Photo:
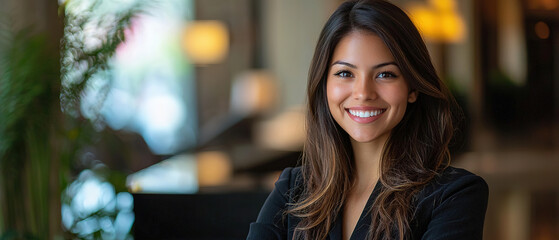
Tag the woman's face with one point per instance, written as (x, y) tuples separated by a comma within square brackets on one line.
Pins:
[(366, 92)]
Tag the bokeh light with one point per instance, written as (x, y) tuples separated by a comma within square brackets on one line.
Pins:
[(91, 207), (542, 30)]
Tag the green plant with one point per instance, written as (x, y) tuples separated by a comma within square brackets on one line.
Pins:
[(38, 141), (29, 83)]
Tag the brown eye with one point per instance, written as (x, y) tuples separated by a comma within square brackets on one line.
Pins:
[(343, 74), (386, 75)]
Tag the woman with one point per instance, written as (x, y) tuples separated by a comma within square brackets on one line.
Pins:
[(376, 158)]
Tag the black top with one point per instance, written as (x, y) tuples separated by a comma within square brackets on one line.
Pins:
[(451, 206)]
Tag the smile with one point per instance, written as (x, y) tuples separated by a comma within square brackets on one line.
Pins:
[(366, 114)]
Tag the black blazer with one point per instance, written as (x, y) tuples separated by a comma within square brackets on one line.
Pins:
[(451, 206)]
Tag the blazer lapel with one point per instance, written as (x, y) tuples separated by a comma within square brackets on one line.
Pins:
[(364, 223)]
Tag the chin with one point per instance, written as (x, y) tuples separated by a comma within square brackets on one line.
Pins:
[(362, 139)]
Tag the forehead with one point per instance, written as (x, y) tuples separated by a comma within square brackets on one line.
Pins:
[(362, 48)]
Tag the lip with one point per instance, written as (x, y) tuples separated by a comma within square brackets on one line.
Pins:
[(364, 120), (364, 108)]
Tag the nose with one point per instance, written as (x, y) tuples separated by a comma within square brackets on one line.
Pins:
[(364, 89)]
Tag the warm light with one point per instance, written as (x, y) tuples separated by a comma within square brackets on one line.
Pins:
[(214, 168), (206, 42), (542, 30), (543, 4), (452, 27), (425, 21), (253, 92), (439, 21), (285, 131), (443, 5), (550, 4)]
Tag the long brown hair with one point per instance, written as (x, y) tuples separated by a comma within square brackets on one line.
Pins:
[(417, 149)]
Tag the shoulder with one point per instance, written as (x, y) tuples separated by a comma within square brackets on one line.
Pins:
[(453, 180), (271, 223), (452, 204), (457, 178), (289, 183), (453, 190), (289, 176)]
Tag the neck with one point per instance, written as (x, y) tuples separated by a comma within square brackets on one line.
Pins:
[(367, 163)]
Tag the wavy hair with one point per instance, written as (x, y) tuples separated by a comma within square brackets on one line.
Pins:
[(417, 149)]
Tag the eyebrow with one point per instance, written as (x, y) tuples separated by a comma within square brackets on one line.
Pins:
[(374, 67)]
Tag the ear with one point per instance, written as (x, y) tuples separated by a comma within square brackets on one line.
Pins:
[(412, 96)]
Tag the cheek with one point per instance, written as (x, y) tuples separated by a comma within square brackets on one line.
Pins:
[(397, 95), (335, 93), (334, 96), (400, 99)]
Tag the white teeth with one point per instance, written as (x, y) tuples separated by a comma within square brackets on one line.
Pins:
[(365, 114)]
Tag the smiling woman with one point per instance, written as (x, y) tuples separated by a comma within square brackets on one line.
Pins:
[(376, 158), (367, 94)]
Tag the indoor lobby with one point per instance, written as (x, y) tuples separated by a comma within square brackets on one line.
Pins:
[(172, 119)]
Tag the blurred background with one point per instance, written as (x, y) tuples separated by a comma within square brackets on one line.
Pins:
[(130, 119)]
